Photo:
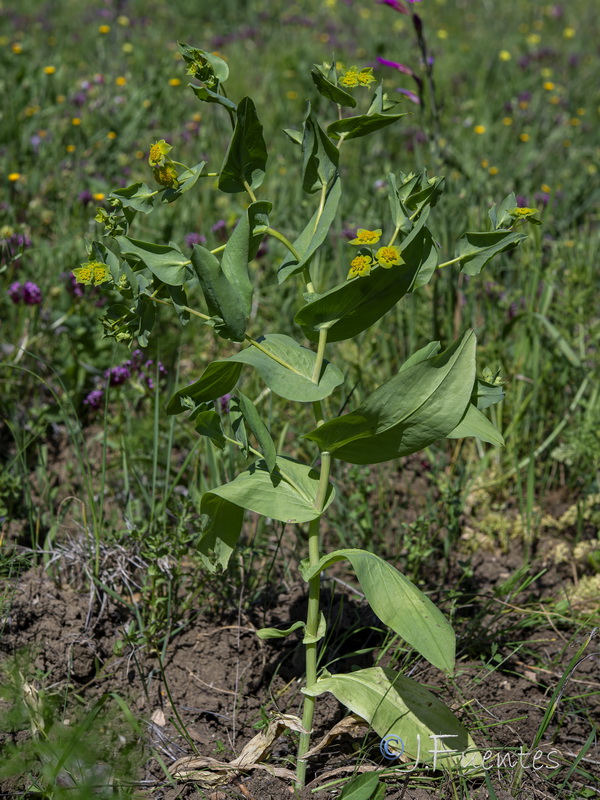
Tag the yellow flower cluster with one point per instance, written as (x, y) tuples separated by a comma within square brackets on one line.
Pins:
[(354, 77), (361, 265)]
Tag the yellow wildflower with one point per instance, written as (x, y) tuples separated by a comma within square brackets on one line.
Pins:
[(365, 77), (479, 129), (166, 175), (389, 257), (49, 70), (13, 177), (364, 236), (92, 272), (104, 29), (359, 267), (350, 78), (157, 153)]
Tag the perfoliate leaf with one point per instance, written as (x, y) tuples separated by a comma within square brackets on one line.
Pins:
[(167, 262), (377, 117), (218, 379), (206, 67), (288, 494), (398, 604), (353, 306), (208, 96), (138, 196), (420, 404), (476, 249), (246, 158), (395, 705)]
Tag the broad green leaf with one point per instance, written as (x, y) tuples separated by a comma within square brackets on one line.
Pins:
[(499, 215), (353, 306), (222, 527), (206, 67), (246, 157), (320, 156), (361, 787), (259, 429), (476, 249), (167, 262), (395, 705), (295, 384), (426, 193), (314, 234), (398, 604), (287, 495), (187, 179), (221, 297), (474, 423), (410, 411), (138, 196), (208, 96), (241, 249), (328, 87), (219, 378), (208, 423), (377, 117)]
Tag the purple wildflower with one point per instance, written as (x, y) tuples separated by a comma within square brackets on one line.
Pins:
[(410, 95), (117, 375), (85, 197), (14, 292), (224, 403), (94, 399), (396, 65), (195, 238), (395, 4), (32, 294)]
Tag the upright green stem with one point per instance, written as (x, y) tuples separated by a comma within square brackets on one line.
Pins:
[(312, 620), (284, 240), (312, 617), (320, 355)]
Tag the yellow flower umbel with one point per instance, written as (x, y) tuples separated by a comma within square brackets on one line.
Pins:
[(366, 77), (354, 77), (350, 78), (166, 175), (389, 257), (92, 273), (359, 267), (525, 214), (365, 237), (157, 153)]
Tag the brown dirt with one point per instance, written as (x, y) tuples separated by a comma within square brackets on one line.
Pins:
[(219, 675)]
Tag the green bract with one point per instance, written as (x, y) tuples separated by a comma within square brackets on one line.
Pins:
[(435, 394)]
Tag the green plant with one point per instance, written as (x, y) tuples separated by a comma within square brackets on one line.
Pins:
[(435, 394)]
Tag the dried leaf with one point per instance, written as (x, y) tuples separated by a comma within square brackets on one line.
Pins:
[(352, 724), (158, 717)]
